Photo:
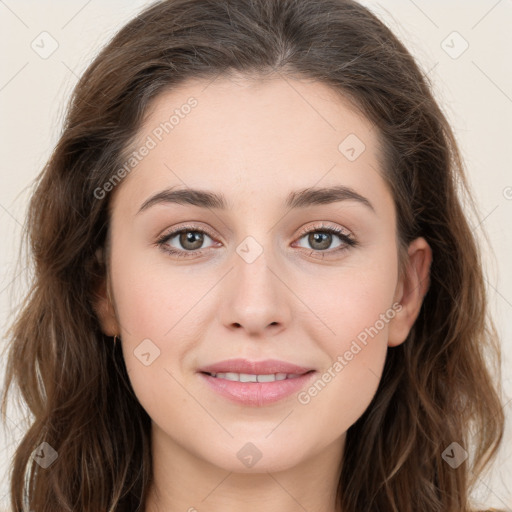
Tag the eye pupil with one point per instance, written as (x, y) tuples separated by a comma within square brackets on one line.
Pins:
[(325, 240), (193, 237)]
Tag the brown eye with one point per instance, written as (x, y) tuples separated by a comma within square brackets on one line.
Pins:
[(322, 238), (191, 240), (184, 242), (320, 241)]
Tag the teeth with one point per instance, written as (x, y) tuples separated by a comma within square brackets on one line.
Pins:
[(248, 377)]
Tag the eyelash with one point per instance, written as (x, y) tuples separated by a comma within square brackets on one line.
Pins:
[(346, 239)]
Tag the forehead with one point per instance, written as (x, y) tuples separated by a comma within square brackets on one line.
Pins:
[(253, 136)]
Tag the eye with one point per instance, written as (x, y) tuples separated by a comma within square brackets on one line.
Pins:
[(321, 238), (185, 241)]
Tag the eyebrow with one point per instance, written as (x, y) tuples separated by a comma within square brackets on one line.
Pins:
[(297, 199)]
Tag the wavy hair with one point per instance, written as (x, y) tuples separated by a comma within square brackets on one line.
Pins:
[(437, 387)]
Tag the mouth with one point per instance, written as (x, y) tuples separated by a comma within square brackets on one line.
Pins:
[(252, 377), (256, 390), (246, 369)]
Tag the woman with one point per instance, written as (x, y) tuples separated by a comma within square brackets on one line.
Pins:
[(254, 284)]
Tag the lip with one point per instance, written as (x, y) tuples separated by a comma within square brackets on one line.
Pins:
[(256, 394), (265, 367)]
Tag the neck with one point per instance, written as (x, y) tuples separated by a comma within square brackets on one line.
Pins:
[(184, 482)]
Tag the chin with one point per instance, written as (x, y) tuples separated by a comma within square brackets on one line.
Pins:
[(257, 457)]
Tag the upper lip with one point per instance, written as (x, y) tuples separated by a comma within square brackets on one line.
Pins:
[(266, 367)]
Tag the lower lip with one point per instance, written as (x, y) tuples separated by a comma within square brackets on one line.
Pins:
[(257, 394)]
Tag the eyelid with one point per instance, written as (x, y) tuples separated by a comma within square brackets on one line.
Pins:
[(187, 227), (327, 227)]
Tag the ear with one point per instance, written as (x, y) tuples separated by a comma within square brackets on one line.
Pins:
[(103, 304), (410, 290)]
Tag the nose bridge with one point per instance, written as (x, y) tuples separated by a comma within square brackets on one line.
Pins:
[(255, 297), (253, 275)]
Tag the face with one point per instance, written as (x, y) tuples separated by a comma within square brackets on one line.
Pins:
[(277, 272)]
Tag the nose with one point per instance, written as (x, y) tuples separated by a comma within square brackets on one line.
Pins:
[(256, 297)]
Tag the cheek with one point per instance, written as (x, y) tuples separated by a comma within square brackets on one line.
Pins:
[(150, 295), (354, 303), (356, 307), (160, 310)]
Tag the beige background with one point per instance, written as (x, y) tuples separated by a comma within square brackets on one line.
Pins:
[(473, 86)]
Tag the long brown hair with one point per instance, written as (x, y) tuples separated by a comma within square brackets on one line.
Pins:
[(436, 388)]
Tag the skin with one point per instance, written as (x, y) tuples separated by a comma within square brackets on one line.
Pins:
[(255, 141)]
